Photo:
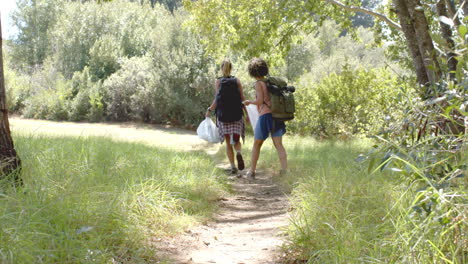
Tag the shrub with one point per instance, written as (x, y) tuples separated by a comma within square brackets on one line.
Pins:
[(350, 103), (79, 105), (428, 150), (104, 57), (17, 88), (50, 94), (128, 93)]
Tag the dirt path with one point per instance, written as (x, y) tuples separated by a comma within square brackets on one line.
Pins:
[(247, 228)]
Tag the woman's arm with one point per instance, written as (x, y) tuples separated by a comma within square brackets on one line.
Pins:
[(212, 107), (259, 94), (241, 90)]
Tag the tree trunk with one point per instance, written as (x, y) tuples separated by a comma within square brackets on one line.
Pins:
[(447, 35), (416, 30), (9, 161), (411, 40), (426, 46)]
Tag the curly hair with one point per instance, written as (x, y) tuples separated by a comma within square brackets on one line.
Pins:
[(258, 67)]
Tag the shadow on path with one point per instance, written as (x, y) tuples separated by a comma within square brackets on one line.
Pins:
[(247, 228)]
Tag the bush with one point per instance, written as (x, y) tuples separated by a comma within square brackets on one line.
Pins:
[(79, 105), (346, 104), (428, 151), (129, 94), (17, 88), (104, 57), (50, 94)]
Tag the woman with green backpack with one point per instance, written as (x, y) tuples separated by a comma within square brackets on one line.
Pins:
[(266, 125)]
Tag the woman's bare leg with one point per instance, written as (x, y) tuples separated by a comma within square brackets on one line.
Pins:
[(229, 151), (255, 154), (283, 156)]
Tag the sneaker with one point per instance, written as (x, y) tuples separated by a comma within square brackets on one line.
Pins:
[(240, 161), (233, 170), (283, 172), (250, 175)]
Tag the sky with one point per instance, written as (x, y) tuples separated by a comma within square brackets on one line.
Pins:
[(6, 8)]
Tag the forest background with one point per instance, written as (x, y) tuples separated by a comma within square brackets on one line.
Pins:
[(130, 61)]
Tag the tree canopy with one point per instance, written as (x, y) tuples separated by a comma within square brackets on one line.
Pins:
[(264, 26), (269, 27)]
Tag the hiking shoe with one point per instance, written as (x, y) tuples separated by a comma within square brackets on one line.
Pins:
[(233, 170), (283, 172), (250, 175), (240, 161)]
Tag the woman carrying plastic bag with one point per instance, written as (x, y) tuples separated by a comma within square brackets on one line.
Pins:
[(229, 114)]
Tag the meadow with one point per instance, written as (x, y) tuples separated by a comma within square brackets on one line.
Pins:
[(95, 200)]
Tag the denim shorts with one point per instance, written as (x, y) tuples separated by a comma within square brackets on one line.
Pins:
[(266, 125)]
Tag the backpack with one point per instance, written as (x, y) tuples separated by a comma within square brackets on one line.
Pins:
[(283, 104), (228, 100)]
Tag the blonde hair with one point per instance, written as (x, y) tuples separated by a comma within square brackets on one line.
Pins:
[(226, 67)]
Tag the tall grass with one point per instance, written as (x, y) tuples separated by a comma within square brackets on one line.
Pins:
[(344, 213), (338, 208), (93, 200)]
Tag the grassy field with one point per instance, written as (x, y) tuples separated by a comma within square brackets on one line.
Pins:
[(343, 213), (102, 200), (95, 200)]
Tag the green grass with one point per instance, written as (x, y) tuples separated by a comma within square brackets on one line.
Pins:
[(338, 208), (341, 213), (93, 200)]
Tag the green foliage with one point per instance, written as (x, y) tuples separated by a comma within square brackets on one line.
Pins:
[(352, 102), (117, 29), (87, 102), (128, 62), (326, 52), (129, 92), (95, 200), (171, 5), (338, 209), (104, 56), (49, 95), (34, 20), (429, 151), (17, 89), (261, 28)]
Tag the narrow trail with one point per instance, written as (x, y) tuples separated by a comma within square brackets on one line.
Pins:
[(248, 226), (247, 229)]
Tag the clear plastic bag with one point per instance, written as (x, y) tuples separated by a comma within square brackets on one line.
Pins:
[(208, 131), (252, 111)]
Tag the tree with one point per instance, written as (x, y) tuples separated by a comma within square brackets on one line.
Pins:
[(33, 19), (271, 26), (9, 161)]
